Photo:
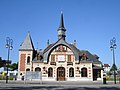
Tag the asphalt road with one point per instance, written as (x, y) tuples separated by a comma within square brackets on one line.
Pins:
[(58, 85)]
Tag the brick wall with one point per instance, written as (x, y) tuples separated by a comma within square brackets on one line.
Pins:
[(22, 62)]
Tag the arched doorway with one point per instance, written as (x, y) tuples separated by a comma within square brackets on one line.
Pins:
[(60, 73), (37, 69)]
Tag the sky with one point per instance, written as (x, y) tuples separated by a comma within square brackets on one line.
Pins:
[(92, 23)]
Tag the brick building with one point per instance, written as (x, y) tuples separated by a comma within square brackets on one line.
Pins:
[(59, 61)]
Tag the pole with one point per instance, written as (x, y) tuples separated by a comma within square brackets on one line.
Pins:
[(113, 47), (7, 64), (9, 46), (114, 66)]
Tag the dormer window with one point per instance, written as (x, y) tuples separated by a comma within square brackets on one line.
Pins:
[(84, 56), (39, 57)]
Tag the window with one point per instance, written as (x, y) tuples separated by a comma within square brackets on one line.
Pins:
[(52, 58), (27, 69), (69, 58), (99, 74), (84, 72), (21, 74), (28, 60), (39, 57), (84, 56), (50, 72), (37, 69), (71, 72)]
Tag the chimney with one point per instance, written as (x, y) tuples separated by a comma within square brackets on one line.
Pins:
[(48, 43), (75, 43)]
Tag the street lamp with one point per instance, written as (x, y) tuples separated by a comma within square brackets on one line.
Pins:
[(9, 43), (112, 47)]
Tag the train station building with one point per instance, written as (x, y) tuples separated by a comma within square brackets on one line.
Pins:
[(59, 61)]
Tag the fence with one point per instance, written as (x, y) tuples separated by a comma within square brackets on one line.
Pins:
[(31, 75)]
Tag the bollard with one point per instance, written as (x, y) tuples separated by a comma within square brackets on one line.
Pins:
[(22, 78), (119, 80), (104, 80)]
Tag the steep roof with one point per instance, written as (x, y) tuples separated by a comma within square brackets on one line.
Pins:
[(61, 27), (90, 57), (27, 44), (48, 50)]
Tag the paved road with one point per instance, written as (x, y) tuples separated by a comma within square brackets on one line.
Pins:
[(58, 85)]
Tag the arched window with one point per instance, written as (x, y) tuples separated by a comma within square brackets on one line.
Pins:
[(84, 72), (28, 60), (50, 72), (27, 69), (37, 69), (71, 72)]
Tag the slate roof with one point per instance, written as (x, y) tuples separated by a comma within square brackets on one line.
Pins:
[(61, 27), (35, 58), (27, 44), (90, 57), (48, 47)]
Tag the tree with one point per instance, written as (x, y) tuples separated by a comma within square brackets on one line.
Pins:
[(113, 67), (4, 63), (1, 62), (13, 66)]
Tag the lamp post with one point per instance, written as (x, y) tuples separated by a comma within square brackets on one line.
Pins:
[(9, 43), (112, 47)]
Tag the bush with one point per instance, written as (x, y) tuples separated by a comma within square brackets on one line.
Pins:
[(4, 77)]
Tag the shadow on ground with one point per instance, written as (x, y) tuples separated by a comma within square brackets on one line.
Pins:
[(58, 88)]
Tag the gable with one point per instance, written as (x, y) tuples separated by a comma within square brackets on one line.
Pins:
[(58, 43)]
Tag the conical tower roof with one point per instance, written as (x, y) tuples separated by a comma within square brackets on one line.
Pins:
[(61, 27), (27, 43)]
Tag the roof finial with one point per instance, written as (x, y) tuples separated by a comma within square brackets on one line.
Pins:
[(61, 12), (28, 31), (48, 42)]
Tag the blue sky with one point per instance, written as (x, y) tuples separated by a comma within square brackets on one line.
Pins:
[(92, 23)]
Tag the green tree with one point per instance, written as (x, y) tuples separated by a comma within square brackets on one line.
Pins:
[(1, 64), (113, 67), (13, 66)]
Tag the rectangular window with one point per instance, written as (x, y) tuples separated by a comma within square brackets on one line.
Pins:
[(69, 58), (52, 58)]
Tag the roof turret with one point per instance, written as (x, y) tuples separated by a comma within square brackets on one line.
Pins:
[(27, 44), (61, 29)]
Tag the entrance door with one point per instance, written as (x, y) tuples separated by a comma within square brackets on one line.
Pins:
[(94, 74), (60, 73)]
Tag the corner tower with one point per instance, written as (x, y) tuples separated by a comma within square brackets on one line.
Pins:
[(25, 55), (61, 29)]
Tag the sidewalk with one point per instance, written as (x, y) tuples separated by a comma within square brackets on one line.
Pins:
[(59, 82), (61, 85)]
